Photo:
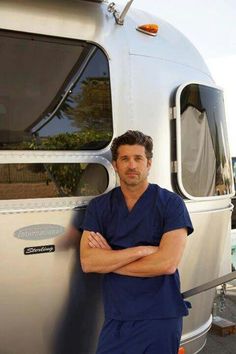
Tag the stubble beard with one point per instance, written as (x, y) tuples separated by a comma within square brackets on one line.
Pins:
[(136, 181)]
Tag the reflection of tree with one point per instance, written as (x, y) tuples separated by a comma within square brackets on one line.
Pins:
[(90, 108), (66, 177), (89, 140), (90, 111)]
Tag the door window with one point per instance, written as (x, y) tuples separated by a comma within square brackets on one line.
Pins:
[(204, 165)]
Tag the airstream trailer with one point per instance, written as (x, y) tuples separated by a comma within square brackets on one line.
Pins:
[(73, 76)]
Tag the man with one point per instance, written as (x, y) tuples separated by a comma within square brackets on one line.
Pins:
[(136, 235)]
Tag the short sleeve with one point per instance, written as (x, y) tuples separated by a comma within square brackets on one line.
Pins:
[(176, 215), (91, 220), (78, 218)]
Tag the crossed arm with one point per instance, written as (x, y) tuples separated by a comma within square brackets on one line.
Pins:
[(141, 261)]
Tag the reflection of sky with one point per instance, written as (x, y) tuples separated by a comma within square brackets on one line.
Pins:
[(97, 67), (57, 126)]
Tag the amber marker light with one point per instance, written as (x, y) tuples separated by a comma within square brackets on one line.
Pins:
[(181, 350), (150, 29)]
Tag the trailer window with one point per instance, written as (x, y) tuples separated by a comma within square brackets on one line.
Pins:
[(54, 94), (203, 151), (233, 224), (234, 171), (27, 181)]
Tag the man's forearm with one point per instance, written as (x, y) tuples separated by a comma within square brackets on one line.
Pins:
[(150, 266), (141, 261), (99, 260), (163, 262)]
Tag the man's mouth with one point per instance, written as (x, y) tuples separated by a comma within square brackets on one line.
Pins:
[(132, 173)]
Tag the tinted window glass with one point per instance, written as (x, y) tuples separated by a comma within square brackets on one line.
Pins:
[(22, 181), (54, 95), (233, 257), (205, 159)]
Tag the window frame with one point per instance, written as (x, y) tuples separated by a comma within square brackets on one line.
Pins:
[(54, 203), (178, 147), (100, 156)]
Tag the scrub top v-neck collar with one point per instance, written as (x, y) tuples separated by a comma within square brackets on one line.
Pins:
[(138, 206)]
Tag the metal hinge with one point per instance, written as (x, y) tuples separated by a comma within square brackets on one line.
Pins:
[(174, 166), (173, 113)]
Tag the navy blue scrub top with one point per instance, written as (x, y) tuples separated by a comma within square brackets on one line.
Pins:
[(156, 212)]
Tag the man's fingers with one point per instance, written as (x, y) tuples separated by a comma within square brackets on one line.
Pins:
[(96, 240), (91, 244), (104, 241)]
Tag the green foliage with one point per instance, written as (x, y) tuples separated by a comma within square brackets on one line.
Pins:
[(91, 107), (66, 177), (70, 141)]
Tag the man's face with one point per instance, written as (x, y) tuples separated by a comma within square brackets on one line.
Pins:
[(132, 164)]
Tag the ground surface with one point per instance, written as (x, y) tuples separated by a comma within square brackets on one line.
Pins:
[(215, 343)]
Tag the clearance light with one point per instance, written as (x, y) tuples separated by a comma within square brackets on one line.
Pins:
[(150, 29), (181, 350)]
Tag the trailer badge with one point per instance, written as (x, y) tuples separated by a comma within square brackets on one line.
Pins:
[(39, 232), (39, 249)]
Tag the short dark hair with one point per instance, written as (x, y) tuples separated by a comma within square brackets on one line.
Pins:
[(132, 137)]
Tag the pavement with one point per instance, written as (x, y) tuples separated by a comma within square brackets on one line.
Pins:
[(217, 344)]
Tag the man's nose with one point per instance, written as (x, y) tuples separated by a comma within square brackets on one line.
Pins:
[(132, 164)]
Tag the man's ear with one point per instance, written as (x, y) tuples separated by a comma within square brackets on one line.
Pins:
[(149, 163)]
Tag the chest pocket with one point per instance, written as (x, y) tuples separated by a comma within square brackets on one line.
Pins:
[(148, 231)]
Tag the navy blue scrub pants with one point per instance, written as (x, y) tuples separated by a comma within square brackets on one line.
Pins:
[(160, 336)]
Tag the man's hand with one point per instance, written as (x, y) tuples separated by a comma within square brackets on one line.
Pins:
[(96, 240)]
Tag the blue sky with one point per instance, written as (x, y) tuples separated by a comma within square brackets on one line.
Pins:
[(211, 27)]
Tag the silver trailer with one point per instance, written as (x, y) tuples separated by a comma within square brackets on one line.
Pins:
[(73, 76)]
